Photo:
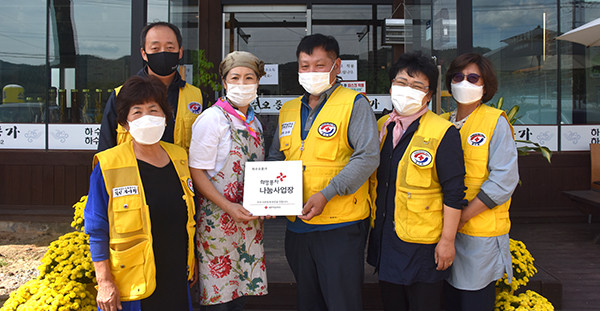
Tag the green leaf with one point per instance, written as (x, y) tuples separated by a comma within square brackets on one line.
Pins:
[(546, 153), (500, 103), (512, 113)]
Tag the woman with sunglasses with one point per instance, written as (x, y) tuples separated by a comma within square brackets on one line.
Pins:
[(482, 243)]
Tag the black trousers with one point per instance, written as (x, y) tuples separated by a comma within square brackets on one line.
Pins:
[(328, 267), (413, 297), (470, 300)]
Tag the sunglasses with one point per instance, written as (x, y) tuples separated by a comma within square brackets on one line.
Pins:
[(472, 77)]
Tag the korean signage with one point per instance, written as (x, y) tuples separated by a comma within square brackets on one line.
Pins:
[(22, 136), (359, 86), (272, 75), (273, 188), (545, 135), (349, 70), (270, 105), (73, 136), (579, 137)]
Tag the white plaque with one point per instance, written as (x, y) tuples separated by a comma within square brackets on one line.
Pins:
[(22, 136), (273, 188), (73, 136)]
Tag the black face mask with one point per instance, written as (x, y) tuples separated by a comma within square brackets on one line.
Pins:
[(163, 63)]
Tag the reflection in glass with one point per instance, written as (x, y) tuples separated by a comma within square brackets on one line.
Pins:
[(272, 37), (22, 61), (518, 39), (580, 67), (84, 55)]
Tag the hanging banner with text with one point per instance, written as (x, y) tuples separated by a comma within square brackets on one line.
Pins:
[(273, 188)]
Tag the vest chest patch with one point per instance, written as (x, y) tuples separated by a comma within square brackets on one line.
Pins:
[(477, 139), (190, 185), (195, 107), (286, 129), (125, 190), (327, 129), (421, 157)]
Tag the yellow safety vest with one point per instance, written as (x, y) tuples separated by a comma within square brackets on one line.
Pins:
[(475, 135), (188, 108), (324, 153), (131, 254), (419, 206)]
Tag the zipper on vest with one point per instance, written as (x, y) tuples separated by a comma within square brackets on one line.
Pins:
[(302, 146)]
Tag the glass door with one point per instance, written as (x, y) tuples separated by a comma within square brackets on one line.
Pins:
[(272, 33)]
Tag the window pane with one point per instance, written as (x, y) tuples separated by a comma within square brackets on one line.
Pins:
[(273, 38), (89, 55), (518, 39), (22, 61), (580, 67)]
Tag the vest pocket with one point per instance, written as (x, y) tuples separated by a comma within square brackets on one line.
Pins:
[(127, 268), (476, 162), (284, 143), (418, 176), (326, 147), (127, 214), (424, 218)]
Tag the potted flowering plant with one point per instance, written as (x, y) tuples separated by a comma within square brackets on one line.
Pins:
[(67, 276), (523, 270)]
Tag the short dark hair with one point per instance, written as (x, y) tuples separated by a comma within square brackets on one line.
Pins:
[(165, 24), (328, 43), (416, 62), (139, 90), (490, 82)]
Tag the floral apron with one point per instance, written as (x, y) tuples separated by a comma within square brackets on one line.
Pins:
[(231, 255)]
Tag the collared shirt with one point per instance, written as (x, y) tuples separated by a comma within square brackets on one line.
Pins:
[(362, 137)]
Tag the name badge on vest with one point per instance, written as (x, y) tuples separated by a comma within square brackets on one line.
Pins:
[(477, 139), (125, 190), (195, 107), (327, 129), (421, 157), (286, 129)]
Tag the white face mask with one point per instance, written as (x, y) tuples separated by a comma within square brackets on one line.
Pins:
[(241, 95), (315, 83), (148, 129), (466, 93), (406, 100)]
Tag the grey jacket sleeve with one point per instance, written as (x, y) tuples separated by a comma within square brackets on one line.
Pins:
[(274, 153), (502, 165), (364, 137)]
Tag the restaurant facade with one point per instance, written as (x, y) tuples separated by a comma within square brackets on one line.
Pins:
[(61, 59)]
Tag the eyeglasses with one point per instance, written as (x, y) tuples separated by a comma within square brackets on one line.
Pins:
[(472, 77), (419, 86)]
